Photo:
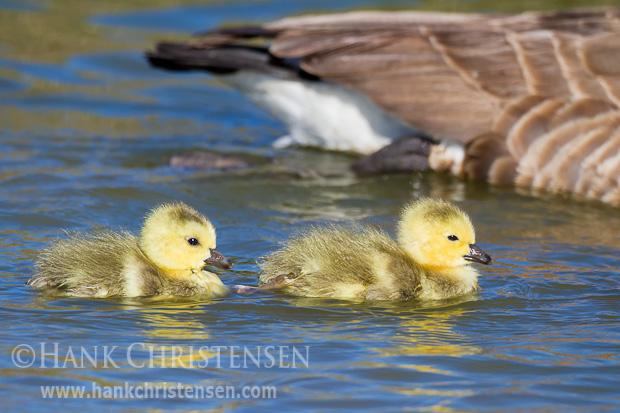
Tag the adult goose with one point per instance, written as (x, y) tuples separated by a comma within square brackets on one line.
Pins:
[(531, 99)]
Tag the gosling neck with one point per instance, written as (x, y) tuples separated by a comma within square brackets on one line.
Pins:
[(441, 282), (180, 273), (194, 282), (173, 273), (190, 274)]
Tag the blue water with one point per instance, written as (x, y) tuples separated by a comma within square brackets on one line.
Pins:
[(86, 130)]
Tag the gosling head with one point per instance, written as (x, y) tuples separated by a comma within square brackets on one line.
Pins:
[(436, 233), (176, 237)]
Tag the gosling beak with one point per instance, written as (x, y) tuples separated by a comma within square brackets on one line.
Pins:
[(477, 255), (218, 260)]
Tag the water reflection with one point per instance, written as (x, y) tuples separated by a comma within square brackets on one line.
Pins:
[(431, 334)]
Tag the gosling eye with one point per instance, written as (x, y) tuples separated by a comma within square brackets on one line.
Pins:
[(453, 238), (193, 242)]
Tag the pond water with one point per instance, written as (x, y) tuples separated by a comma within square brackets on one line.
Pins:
[(86, 131)]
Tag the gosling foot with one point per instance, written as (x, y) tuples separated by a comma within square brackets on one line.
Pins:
[(245, 290)]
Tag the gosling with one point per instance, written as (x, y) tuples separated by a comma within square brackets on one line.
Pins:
[(436, 243), (175, 244)]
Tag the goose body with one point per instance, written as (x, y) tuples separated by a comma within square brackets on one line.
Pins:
[(320, 114), (429, 261), (167, 259), (494, 94)]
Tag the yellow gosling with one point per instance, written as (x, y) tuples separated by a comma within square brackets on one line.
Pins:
[(167, 259), (436, 243)]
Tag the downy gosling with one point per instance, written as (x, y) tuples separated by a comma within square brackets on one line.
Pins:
[(436, 243), (167, 259)]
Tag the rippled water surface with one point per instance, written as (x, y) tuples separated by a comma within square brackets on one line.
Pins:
[(86, 131)]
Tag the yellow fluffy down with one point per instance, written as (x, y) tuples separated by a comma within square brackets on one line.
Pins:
[(430, 259), (160, 262)]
